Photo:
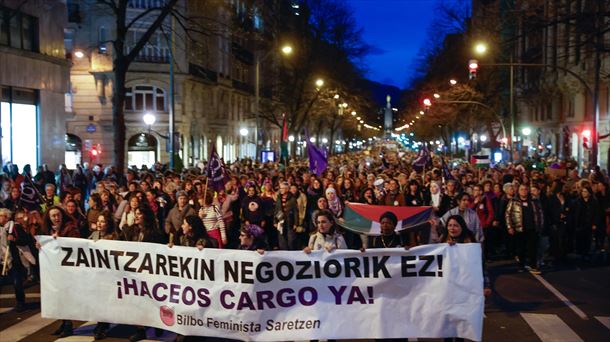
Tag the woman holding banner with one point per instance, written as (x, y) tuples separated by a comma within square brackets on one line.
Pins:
[(326, 236), (58, 224), (457, 232), (388, 238)]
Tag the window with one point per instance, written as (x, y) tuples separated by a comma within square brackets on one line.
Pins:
[(18, 118), (102, 40), (18, 30), (145, 99)]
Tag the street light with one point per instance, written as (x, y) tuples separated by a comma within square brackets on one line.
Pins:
[(526, 131), (149, 119), (452, 82), (437, 96), (480, 48), (354, 113), (483, 138), (336, 97), (243, 132), (319, 83), (291, 138), (312, 140), (286, 50), (324, 141), (79, 54)]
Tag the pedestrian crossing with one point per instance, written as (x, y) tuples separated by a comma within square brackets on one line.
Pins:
[(547, 327)]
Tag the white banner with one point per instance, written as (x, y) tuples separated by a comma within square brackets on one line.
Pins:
[(431, 291)]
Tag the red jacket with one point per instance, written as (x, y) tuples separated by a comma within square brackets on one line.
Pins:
[(485, 211)]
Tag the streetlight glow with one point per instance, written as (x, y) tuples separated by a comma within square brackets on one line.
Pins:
[(344, 105), (243, 132), (427, 102), (79, 54), (319, 83), (336, 96), (526, 131), (480, 48), (483, 138), (287, 49), (324, 141), (291, 138), (354, 113), (452, 82), (149, 119), (437, 96), (312, 140), (421, 112)]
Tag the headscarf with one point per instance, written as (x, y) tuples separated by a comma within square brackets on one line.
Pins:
[(334, 205)]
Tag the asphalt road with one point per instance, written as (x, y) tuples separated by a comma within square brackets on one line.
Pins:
[(568, 302)]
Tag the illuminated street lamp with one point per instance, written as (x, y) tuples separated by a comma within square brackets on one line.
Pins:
[(312, 140), (437, 96), (243, 132), (79, 54), (319, 83), (291, 138), (287, 49), (452, 82), (149, 119), (480, 48), (324, 141), (526, 131), (354, 113)]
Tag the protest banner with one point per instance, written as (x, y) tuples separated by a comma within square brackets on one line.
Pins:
[(430, 291)]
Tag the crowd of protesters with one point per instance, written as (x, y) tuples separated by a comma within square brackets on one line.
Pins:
[(515, 213)]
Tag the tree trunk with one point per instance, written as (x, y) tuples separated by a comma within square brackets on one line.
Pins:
[(118, 114)]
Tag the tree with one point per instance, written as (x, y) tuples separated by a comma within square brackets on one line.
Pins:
[(123, 56), (328, 46)]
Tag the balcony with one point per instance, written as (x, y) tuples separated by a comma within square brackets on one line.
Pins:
[(201, 72), (153, 54)]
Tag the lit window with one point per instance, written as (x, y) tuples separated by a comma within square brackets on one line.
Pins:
[(145, 99)]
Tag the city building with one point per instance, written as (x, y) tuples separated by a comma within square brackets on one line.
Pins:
[(213, 78), (34, 78)]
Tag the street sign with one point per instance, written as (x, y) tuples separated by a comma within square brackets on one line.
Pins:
[(91, 128)]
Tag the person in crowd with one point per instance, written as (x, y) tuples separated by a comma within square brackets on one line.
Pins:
[(483, 206), (469, 215), (434, 198), (524, 221), (14, 239), (587, 217), (58, 224), (176, 215), (286, 216), (335, 205), (95, 208), (388, 238), (413, 196), (212, 220), (50, 198), (252, 238), (368, 196), (301, 200), (128, 217), (559, 215), (326, 236), (450, 197), (393, 196)]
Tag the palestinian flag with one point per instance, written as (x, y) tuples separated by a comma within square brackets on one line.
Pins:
[(364, 218), (480, 161)]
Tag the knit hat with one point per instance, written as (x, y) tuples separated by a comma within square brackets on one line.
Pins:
[(181, 193)]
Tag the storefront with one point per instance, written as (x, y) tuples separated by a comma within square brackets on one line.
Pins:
[(142, 150), (19, 124)]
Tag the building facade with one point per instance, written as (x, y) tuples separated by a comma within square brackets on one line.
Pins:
[(34, 78), (213, 63)]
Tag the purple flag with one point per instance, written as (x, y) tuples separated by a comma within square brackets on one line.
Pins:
[(423, 159), (446, 174), (318, 161), (217, 177)]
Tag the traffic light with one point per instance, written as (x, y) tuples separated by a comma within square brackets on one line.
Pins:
[(473, 65), (427, 103), (586, 134), (95, 151)]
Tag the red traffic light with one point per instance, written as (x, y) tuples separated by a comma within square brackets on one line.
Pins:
[(586, 133), (473, 65), (94, 152)]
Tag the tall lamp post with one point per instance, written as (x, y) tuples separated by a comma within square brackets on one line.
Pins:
[(286, 50)]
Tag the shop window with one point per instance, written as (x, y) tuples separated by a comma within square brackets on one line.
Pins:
[(18, 119)]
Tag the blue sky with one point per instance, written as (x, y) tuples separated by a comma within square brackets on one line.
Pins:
[(397, 28)]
